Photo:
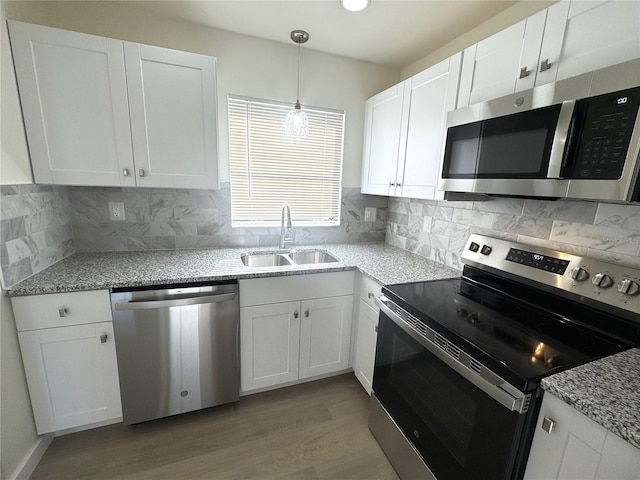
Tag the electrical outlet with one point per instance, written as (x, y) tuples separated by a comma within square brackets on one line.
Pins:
[(116, 211), (370, 214)]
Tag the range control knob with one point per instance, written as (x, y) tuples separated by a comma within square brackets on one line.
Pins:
[(486, 250), (602, 280), (474, 247), (579, 274), (629, 287)]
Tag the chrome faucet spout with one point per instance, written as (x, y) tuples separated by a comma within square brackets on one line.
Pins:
[(286, 230)]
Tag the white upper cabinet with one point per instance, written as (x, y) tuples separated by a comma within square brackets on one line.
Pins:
[(567, 39), (405, 130), (382, 130), (73, 92), (503, 63), (429, 96), (104, 112), (582, 36), (174, 133)]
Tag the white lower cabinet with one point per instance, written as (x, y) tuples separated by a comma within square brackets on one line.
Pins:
[(69, 359), (304, 333), (270, 342), (578, 448), (366, 332)]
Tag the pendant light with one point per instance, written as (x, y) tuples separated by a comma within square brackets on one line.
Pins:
[(297, 123)]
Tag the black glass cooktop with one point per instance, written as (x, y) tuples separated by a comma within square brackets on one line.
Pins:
[(520, 339)]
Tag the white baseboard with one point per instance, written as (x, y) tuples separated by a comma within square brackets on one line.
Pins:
[(32, 458)]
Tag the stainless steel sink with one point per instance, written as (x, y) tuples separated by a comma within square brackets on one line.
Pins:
[(303, 257), (311, 256), (265, 260)]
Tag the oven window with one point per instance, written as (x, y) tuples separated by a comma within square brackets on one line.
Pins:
[(459, 431)]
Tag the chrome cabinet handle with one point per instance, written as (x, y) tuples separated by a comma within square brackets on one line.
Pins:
[(63, 311), (524, 72), (545, 65), (103, 338), (125, 172), (306, 313), (141, 172), (548, 424), (295, 314)]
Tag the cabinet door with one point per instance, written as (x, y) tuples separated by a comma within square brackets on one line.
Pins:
[(494, 67), (172, 98), (365, 345), (431, 95), (72, 375), (594, 35), (325, 335), (74, 102), (269, 344), (382, 133), (578, 448)]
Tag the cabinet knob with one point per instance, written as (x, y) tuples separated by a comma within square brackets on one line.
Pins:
[(296, 314), (141, 172), (391, 184), (306, 313), (524, 72), (63, 311), (398, 184), (125, 172), (545, 65), (103, 338), (548, 424), (369, 294)]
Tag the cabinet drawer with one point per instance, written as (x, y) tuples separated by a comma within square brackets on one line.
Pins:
[(61, 309), (369, 290), (262, 291)]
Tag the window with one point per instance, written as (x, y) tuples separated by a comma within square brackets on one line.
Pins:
[(268, 169)]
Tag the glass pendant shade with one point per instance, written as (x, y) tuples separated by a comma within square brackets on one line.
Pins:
[(296, 124)]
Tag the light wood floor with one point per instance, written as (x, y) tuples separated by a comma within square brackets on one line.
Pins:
[(317, 430)]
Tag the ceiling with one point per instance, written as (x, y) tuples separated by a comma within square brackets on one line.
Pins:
[(390, 32)]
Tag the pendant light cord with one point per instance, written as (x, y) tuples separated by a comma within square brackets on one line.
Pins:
[(298, 90)]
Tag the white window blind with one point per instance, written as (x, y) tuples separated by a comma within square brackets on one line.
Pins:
[(268, 169)]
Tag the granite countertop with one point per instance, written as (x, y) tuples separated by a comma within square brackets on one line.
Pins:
[(94, 271), (614, 403)]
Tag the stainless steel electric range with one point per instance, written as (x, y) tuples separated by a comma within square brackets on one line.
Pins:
[(456, 389)]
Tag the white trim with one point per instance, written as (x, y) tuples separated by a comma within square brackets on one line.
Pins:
[(32, 458), (82, 428)]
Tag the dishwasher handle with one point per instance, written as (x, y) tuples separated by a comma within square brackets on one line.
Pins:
[(176, 302)]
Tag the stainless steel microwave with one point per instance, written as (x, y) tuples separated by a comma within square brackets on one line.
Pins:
[(526, 145)]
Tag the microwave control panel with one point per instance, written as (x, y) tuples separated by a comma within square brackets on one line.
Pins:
[(607, 126)]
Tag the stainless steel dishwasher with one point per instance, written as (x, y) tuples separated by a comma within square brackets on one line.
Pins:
[(177, 348)]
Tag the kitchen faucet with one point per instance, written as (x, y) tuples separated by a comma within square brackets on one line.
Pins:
[(286, 234)]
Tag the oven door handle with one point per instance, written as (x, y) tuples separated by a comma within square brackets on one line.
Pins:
[(487, 381)]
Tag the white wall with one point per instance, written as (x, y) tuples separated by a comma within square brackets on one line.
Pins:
[(14, 156), (18, 436), (246, 65), (504, 19)]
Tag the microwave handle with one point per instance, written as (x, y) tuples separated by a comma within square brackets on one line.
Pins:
[(560, 139), (572, 143)]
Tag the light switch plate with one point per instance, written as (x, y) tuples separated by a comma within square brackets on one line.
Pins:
[(116, 211), (370, 214)]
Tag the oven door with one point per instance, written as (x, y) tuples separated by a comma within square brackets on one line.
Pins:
[(459, 430)]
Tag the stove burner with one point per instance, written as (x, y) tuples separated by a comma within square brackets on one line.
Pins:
[(565, 333)]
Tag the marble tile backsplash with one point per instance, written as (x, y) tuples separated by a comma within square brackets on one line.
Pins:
[(35, 230), (165, 219), (439, 230)]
